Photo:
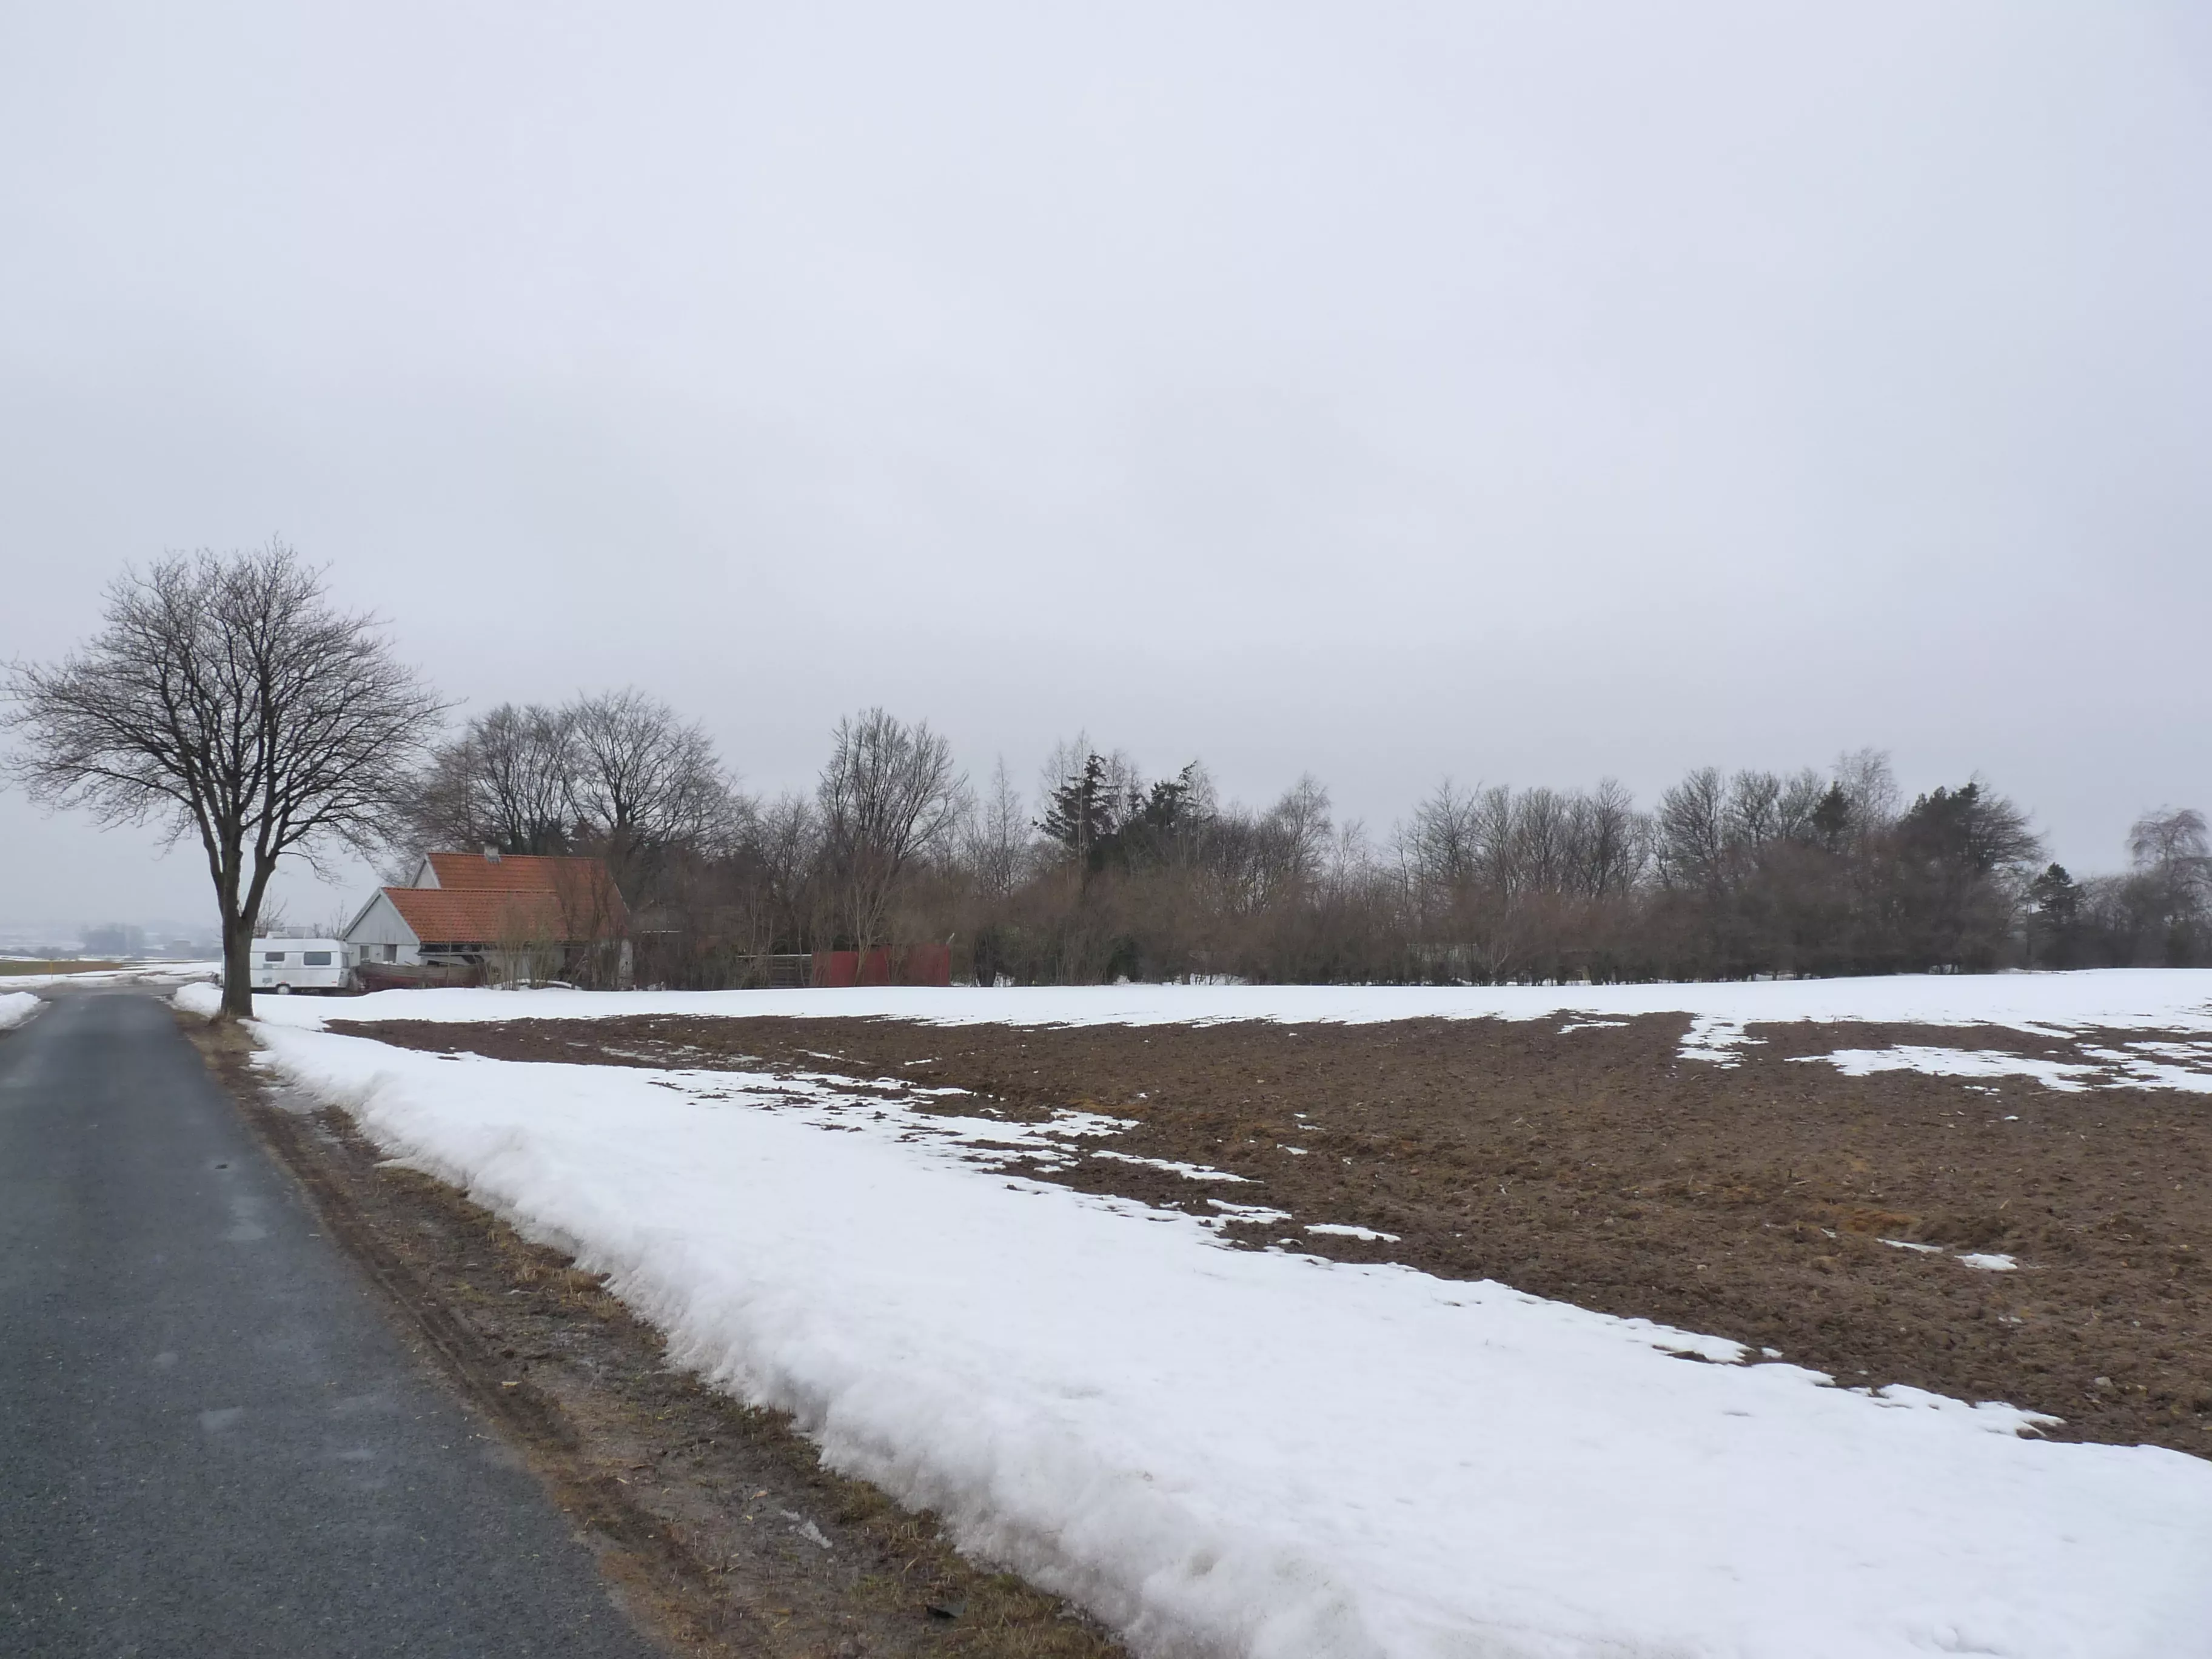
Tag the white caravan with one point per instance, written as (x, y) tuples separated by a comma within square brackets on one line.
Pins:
[(286, 965)]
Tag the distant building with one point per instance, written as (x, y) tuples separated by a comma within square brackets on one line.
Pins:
[(502, 917)]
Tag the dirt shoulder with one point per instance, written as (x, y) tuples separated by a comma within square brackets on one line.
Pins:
[(717, 1525), (1599, 1166)]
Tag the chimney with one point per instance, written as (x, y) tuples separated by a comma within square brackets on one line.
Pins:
[(491, 855)]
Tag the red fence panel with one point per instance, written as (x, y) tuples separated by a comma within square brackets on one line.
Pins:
[(896, 965)]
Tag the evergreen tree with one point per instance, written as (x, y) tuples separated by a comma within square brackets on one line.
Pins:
[(1831, 818), (1079, 814), (1163, 816), (1957, 850), (2054, 922)]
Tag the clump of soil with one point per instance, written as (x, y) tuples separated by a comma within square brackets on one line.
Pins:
[(1602, 1167)]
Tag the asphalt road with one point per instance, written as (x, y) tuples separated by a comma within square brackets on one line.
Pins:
[(212, 1440)]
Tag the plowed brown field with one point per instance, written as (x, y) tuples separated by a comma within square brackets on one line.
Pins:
[(1600, 1166)]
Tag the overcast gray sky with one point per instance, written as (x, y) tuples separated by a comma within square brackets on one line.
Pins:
[(1525, 392)]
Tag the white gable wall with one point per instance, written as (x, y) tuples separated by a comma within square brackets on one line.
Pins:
[(380, 933)]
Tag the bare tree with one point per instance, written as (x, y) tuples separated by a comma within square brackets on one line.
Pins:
[(889, 793), (507, 781), (997, 839), (1753, 816), (1262, 860), (442, 807), (619, 773), (1693, 829), (2172, 852), (1869, 791), (227, 699), (2172, 839), (1615, 840), (1543, 849), (526, 763), (646, 782), (1796, 813), (1301, 830), (1437, 849), (1489, 819), (778, 849)]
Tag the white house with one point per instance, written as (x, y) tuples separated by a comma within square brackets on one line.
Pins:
[(524, 915)]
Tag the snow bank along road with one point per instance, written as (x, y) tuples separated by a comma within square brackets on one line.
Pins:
[(1261, 1452)]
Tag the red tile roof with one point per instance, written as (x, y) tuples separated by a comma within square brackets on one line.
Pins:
[(512, 899), (520, 873), (479, 918)]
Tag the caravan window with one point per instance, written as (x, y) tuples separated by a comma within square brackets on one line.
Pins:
[(317, 959), (272, 956)]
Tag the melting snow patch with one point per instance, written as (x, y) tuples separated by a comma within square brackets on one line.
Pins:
[(1187, 1171), (1344, 1229), (1988, 1261), (1957, 1062), (1069, 1122), (1715, 1038), (16, 1008), (2153, 1064), (1255, 1214)]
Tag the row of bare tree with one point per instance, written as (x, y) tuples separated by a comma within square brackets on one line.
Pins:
[(1105, 874), (617, 775), (229, 700), (2158, 912)]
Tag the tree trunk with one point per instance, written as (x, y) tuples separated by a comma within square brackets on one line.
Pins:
[(237, 968)]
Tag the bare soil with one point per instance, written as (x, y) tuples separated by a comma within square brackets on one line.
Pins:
[(715, 1525), (1601, 1167)]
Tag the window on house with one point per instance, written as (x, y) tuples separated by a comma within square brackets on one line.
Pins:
[(391, 953)]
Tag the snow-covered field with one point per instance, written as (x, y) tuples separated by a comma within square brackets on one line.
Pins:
[(2149, 1001), (144, 973), (1260, 1452), (16, 1008), (2119, 999)]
